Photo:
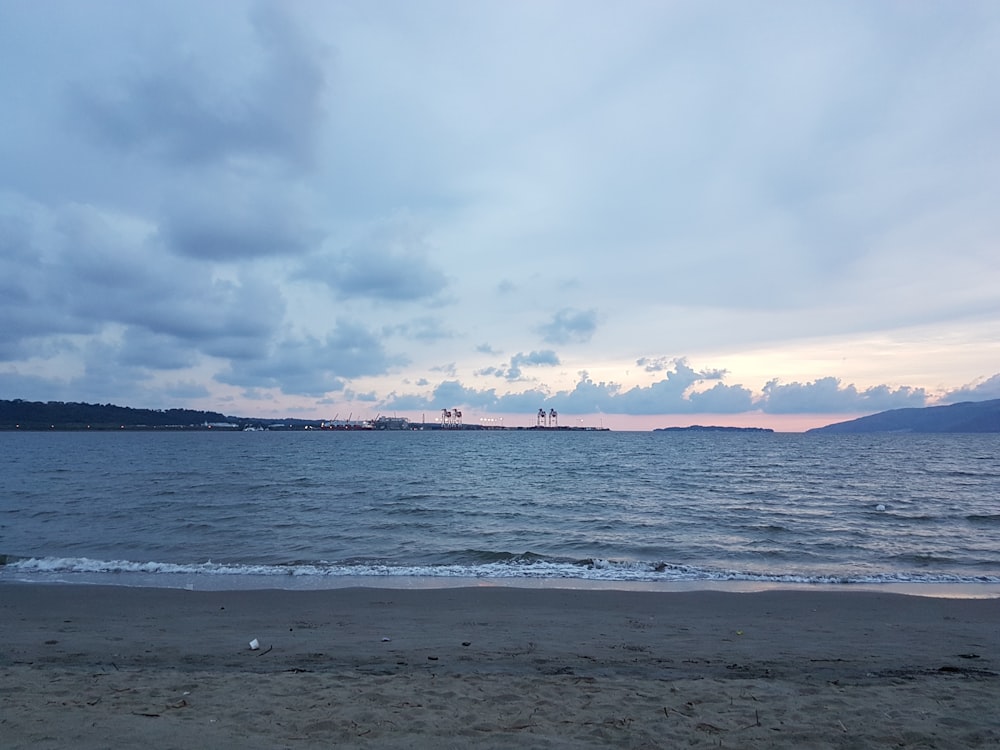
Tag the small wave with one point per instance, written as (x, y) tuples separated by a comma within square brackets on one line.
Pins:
[(922, 518), (525, 566), (923, 559), (478, 556), (983, 518)]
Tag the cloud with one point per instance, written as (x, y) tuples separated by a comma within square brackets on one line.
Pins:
[(95, 372), (197, 189), (544, 358), (681, 392), (515, 369), (587, 397), (183, 110), (678, 393), (570, 325), (313, 367), (389, 264), (33, 279), (229, 223), (828, 396), (654, 364), (723, 399), (153, 351), (983, 389), (445, 395), (424, 328), (80, 269), (674, 394)]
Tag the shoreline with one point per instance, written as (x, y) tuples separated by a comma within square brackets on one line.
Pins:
[(495, 666), (245, 582)]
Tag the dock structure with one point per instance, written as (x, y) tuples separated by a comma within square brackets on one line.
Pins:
[(450, 420), (549, 420), (451, 417), (546, 420)]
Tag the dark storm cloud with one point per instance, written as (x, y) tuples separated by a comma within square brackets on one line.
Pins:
[(77, 270), (141, 348), (207, 314), (33, 328), (110, 279), (33, 285), (232, 225), (569, 325), (311, 366), (446, 395), (389, 264), (104, 374), (827, 395), (101, 376), (183, 111), (110, 377), (35, 388), (183, 392), (351, 351)]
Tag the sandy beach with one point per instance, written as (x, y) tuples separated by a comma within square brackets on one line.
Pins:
[(94, 667)]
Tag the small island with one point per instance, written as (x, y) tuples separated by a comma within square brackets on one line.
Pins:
[(712, 428)]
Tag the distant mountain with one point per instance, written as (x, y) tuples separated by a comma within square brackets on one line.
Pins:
[(968, 416)]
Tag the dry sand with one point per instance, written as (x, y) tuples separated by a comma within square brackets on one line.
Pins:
[(95, 667)]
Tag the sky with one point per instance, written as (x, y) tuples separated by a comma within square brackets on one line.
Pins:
[(639, 214)]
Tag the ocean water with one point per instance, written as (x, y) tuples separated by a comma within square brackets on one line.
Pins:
[(327, 509)]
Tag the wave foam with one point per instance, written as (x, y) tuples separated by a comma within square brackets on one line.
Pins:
[(532, 567)]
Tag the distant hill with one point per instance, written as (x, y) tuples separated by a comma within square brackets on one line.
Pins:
[(968, 416), (44, 415), (67, 415), (712, 428)]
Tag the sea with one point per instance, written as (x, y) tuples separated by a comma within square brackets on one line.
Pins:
[(212, 509)]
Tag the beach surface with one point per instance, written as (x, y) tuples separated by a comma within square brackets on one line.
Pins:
[(96, 667)]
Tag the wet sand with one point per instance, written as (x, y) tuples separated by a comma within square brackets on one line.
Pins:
[(94, 667)]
